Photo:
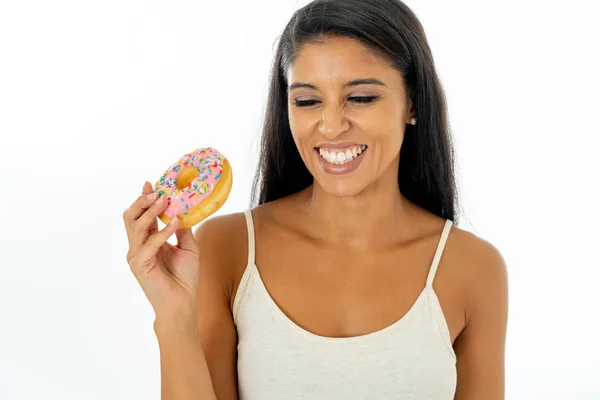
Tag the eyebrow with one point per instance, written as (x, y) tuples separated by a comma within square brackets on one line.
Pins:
[(356, 82)]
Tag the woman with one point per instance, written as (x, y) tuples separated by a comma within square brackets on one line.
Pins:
[(349, 279)]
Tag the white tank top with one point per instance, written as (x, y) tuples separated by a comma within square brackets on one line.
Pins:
[(412, 359)]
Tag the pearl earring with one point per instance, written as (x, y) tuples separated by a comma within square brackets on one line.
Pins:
[(413, 121)]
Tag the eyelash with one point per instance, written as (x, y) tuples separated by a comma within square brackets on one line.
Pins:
[(363, 100)]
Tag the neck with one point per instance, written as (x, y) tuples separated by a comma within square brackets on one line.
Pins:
[(367, 220)]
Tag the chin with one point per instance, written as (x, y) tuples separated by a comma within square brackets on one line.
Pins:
[(342, 187)]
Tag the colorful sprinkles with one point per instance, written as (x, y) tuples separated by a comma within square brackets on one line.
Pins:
[(209, 163)]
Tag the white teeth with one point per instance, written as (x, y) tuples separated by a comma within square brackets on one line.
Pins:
[(341, 157), (331, 158)]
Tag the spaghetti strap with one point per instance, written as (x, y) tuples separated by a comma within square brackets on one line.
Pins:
[(240, 293), (250, 226), (438, 253)]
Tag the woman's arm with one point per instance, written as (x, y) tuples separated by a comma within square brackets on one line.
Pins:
[(222, 247), (198, 351), (481, 345), (184, 372)]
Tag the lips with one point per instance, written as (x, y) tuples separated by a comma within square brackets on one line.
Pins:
[(341, 160), (341, 155)]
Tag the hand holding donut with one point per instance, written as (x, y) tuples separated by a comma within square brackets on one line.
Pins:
[(168, 274)]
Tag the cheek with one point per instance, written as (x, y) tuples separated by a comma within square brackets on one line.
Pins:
[(386, 138), (300, 126), (392, 141), (300, 134), (384, 130), (391, 126)]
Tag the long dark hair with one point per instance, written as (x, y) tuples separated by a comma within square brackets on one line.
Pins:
[(390, 29)]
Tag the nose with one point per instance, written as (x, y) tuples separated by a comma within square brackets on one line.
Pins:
[(333, 123)]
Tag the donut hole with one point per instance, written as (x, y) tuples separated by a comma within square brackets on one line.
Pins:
[(186, 176)]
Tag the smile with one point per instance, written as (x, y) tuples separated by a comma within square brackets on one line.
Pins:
[(341, 156)]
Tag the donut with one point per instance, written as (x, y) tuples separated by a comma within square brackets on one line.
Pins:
[(195, 186)]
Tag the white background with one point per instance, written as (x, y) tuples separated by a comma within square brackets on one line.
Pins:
[(97, 97)]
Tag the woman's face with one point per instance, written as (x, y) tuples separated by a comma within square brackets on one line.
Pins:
[(348, 132)]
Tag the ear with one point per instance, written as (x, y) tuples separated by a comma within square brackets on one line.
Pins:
[(412, 112)]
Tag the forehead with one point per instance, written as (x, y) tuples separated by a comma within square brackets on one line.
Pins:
[(337, 60)]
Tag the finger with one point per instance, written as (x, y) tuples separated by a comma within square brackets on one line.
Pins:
[(139, 206), (147, 190), (148, 197), (130, 222), (185, 239), (147, 225), (154, 242)]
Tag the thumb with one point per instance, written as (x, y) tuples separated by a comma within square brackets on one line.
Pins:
[(185, 239)]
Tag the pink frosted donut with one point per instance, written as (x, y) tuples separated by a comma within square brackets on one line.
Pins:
[(195, 186)]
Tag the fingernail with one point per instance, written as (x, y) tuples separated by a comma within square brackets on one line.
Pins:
[(151, 196), (173, 221)]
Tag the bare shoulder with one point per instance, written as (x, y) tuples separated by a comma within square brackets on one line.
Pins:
[(480, 346), (223, 247), (482, 271), (223, 243), (481, 266)]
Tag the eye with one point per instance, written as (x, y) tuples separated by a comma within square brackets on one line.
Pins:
[(356, 99), (305, 103), (364, 99)]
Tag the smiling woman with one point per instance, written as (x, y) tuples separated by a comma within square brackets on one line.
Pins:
[(336, 122), (396, 67), (349, 278)]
